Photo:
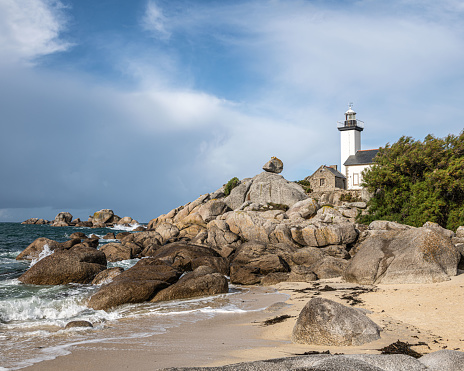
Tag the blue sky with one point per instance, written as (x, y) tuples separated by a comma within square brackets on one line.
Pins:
[(142, 106)]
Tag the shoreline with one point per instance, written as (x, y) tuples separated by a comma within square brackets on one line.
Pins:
[(142, 345), (405, 312)]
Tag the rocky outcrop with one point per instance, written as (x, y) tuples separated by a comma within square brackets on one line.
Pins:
[(264, 211), (36, 221), (202, 281), (417, 255), (76, 265), (267, 230), (103, 216), (325, 322), (63, 219), (100, 219)]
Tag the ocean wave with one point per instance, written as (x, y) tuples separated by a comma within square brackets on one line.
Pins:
[(44, 253), (123, 227)]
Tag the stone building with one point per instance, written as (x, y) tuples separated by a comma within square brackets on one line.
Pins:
[(326, 178)]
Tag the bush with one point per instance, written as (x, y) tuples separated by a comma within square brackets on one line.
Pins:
[(231, 184), (414, 182), (305, 184)]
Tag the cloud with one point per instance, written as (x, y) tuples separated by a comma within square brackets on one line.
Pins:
[(30, 29), (217, 89), (154, 21)]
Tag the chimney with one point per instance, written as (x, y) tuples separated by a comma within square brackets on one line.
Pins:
[(333, 167)]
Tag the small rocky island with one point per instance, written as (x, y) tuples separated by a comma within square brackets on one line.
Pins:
[(100, 219), (257, 231)]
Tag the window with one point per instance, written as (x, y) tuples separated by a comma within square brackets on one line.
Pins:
[(355, 179), (322, 182)]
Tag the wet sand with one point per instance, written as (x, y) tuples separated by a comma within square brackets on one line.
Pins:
[(137, 344), (426, 314)]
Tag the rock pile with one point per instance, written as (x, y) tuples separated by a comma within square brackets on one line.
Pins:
[(267, 230)]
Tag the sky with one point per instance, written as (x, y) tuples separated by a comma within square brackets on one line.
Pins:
[(142, 106)]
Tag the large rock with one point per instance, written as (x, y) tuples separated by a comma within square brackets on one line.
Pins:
[(167, 231), (77, 265), (444, 360), (116, 252), (274, 188), (245, 275), (187, 257), (62, 219), (125, 291), (267, 258), (417, 255), (329, 267), (303, 209), (325, 322), (274, 165), (320, 235), (201, 282), (137, 284), (151, 269), (35, 248), (103, 216), (238, 194), (212, 209), (221, 238), (307, 256), (254, 226), (337, 362)]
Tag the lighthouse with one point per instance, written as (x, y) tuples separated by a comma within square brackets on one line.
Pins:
[(350, 136)]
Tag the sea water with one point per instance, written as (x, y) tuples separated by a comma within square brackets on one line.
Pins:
[(33, 317)]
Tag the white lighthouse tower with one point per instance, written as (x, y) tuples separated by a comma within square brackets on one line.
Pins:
[(350, 135)]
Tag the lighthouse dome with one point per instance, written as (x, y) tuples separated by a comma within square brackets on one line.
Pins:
[(350, 111)]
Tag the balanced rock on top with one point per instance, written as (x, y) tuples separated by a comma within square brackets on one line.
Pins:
[(274, 165)]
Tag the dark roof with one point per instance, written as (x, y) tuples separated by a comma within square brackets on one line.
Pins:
[(362, 157), (335, 172)]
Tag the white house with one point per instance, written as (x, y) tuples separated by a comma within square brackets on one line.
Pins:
[(353, 159)]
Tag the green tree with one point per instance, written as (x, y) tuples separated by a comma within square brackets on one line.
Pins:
[(414, 182)]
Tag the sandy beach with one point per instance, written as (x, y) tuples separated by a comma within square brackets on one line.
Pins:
[(425, 314)]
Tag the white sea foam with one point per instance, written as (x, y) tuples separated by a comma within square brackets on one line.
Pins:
[(44, 253), (126, 264), (49, 309), (123, 227)]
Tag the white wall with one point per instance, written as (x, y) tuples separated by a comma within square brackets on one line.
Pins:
[(354, 177), (350, 144)]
